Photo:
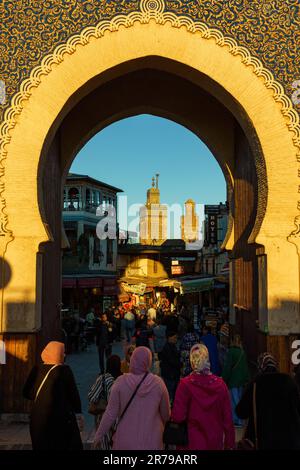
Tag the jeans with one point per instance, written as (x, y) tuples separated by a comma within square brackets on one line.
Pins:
[(236, 395), (129, 334), (101, 351), (171, 385)]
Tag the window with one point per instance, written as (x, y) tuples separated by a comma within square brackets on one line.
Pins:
[(65, 205), (88, 199), (73, 199), (109, 251)]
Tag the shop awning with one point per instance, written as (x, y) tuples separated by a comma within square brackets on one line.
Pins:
[(197, 285), (68, 283), (170, 283)]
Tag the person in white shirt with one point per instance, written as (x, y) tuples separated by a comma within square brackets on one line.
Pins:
[(129, 325), (152, 313)]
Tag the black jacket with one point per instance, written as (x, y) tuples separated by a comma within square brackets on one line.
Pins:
[(278, 412), (53, 424), (171, 322), (170, 362), (103, 336)]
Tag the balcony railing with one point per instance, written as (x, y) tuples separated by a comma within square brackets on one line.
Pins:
[(75, 205)]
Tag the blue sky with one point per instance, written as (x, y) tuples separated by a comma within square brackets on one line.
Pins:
[(128, 153)]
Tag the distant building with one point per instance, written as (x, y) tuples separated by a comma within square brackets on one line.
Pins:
[(190, 222), (153, 218), (213, 255), (214, 259), (89, 265)]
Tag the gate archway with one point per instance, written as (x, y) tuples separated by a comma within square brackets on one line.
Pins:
[(242, 114)]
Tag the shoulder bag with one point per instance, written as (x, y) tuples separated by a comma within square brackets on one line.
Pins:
[(245, 443), (98, 407)]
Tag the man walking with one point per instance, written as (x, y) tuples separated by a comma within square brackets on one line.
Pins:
[(103, 336)]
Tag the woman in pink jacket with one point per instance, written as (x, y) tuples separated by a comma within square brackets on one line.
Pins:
[(142, 426), (202, 400)]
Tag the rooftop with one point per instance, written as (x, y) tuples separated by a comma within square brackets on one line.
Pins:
[(87, 178)]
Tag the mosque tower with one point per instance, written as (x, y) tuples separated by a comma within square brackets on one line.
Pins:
[(190, 222), (153, 218)]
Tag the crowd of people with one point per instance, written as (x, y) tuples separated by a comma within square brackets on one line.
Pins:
[(171, 371)]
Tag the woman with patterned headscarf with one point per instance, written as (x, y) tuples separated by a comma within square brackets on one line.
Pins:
[(277, 408), (202, 400)]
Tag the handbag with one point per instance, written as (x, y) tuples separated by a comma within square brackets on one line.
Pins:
[(98, 407), (245, 443), (175, 434)]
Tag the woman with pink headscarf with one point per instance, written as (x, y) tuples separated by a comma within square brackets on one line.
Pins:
[(141, 426), (202, 400), (51, 387)]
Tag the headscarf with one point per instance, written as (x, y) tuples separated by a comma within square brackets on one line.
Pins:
[(129, 352), (224, 330), (199, 359), (267, 363), (54, 353), (113, 366), (141, 360)]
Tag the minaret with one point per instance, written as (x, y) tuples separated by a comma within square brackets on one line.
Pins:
[(153, 217), (190, 222)]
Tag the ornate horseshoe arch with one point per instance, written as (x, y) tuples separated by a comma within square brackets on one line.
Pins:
[(150, 31)]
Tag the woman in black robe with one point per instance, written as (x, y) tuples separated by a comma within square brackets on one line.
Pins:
[(277, 408), (56, 401)]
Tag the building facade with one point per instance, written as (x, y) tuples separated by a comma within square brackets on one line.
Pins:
[(89, 263)]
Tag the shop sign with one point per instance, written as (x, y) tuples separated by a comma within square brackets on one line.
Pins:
[(135, 288), (177, 269), (212, 229)]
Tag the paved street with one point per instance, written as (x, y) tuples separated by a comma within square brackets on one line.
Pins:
[(85, 366)]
